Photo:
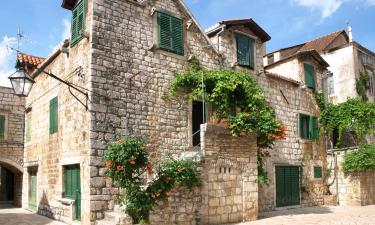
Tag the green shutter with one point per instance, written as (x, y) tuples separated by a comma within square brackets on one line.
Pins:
[(300, 125), (53, 115), (78, 22), (243, 51), (309, 75), (2, 127), (170, 33), (313, 128), (28, 127), (318, 173)]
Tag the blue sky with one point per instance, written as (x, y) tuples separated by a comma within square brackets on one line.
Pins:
[(45, 24)]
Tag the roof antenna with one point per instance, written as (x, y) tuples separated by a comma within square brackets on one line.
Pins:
[(350, 31), (19, 37)]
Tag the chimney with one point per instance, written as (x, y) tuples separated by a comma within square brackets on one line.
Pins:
[(350, 31)]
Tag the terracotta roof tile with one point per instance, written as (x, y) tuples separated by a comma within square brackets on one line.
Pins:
[(30, 59), (320, 44)]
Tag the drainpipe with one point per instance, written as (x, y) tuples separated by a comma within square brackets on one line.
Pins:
[(219, 38), (337, 179)]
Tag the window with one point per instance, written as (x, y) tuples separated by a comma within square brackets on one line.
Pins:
[(53, 115), (2, 127), (78, 22), (370, 82), (318, 172), (197, 120), (309, 76), (245, 51), (308, 127), (170, 33), (28, 127)]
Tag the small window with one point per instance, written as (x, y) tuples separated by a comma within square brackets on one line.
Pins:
[(318, 172), (245, 51), (53, 115), (370, 83), (170, 33), (309, 76), (2, 127), (28, 127), (78, 22), (308, 127)]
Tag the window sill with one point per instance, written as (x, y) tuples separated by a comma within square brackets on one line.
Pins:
[(66, 201), (170, 54)]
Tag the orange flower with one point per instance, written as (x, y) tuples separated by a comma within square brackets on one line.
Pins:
[(120, 168), (132, 160), (108, 164)]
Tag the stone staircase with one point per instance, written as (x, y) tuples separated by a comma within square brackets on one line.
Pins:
[(115, 217)]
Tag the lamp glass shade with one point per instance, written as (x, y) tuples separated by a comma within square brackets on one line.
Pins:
[(21, 82)]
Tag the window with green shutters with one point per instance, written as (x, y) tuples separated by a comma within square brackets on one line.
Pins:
[(308, 127), (28, 127), (245, 51), (170, 33), (53, 115), (2, 127), (318, 172), (309, 76), (78, 22)]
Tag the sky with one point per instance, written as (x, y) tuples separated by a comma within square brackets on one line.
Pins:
[(44, 24)]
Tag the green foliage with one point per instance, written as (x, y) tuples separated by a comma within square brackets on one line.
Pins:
[(361, 160), (235, 97), (362, 85), (127, 162), (262, 177), (320, 100), (353, 115)]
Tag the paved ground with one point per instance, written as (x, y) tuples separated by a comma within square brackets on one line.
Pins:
[(319, 216), (16, 216), (301, 216)]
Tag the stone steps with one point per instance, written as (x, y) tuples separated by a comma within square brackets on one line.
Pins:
[(115, 217)]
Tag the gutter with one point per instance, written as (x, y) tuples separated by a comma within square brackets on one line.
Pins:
[(219, 37)]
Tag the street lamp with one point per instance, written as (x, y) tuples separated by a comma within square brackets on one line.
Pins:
[(21, 82)]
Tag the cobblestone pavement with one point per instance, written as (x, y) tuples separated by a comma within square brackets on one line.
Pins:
[(17, 216), (364, 215)]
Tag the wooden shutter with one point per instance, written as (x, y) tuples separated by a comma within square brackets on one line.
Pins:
[(318, 173), (313, 128), (53, 115), (2, 127), (170, 33), (68, 182), (243, 50), (78, 22), (287, 186), (309, 75)]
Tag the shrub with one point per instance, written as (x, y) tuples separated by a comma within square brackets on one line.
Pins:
[(361, 160)]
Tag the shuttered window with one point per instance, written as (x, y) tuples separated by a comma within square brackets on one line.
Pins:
[(170, 33), (2, 127), (28, 127), (309, 76), (318, 173), (78, 22), (245, 51), (53, 115), (308, 127)]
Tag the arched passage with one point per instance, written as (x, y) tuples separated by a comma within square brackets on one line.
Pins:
[(10, 182)]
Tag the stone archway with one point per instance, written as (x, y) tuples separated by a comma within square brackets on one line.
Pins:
[(10, 182)]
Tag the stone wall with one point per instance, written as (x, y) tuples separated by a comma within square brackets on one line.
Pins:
[(354, 189), (11, 148)]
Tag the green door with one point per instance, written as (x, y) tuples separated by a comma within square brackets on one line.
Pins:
[(73, 187), (287, 186), (32, 191)]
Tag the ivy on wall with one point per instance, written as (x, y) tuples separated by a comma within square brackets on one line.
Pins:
[(362, 85), (361, 160), (127, 164)]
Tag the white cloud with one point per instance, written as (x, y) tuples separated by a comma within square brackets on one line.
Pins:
[(327, 7), (66, 32), (371, 2), (7, 60)]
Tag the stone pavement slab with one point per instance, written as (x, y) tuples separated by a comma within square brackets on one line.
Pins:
[(16, 216), (361, 215)]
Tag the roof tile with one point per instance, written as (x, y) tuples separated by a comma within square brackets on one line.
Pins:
[(30, 59)]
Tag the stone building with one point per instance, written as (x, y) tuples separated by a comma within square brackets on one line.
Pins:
[(12, 110), (346, 58), (120, 60)]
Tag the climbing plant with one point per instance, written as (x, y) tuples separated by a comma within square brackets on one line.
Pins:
[(354, 115), (235, 97), (127, 163), (362, 85), (361, 160)]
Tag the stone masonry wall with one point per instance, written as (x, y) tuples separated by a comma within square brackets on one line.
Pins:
[(134, 76), (11, 148)]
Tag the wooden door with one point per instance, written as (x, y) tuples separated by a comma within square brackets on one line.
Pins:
[(287, 186), (33, 191)]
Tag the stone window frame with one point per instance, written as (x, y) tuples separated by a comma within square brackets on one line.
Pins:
[(234, 46), (155, 36), (313, 172), (6, 125)]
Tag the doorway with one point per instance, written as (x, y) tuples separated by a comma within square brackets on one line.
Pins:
[(287, 186), (33, 190)]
